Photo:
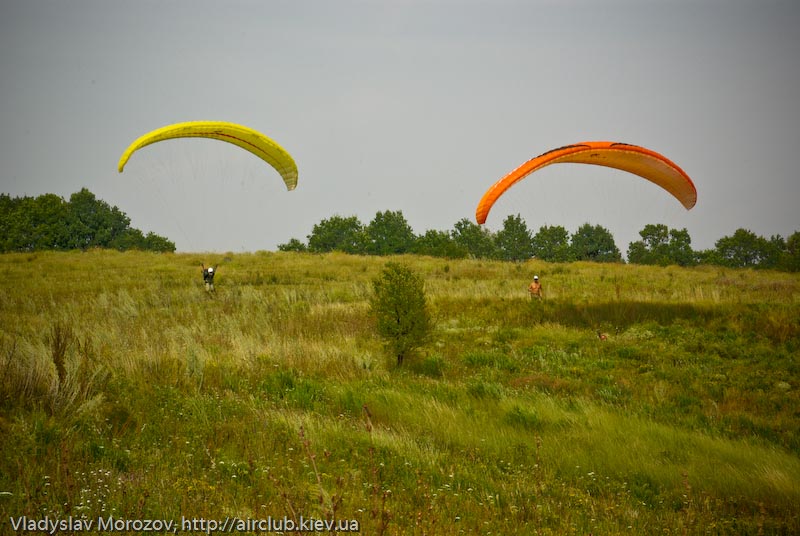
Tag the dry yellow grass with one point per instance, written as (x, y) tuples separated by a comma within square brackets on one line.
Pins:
[(516, 418)]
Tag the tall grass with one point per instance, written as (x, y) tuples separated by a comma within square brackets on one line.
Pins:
[(127, 390)]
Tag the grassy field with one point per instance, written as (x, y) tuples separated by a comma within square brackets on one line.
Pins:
[(128, 391)]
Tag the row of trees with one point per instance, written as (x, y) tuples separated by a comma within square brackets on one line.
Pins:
[(48, 222), (389, 233), (743, 249)]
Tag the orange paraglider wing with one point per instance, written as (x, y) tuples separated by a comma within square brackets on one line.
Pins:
[(637, 160)]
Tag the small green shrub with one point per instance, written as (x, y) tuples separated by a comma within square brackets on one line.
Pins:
[(520, 417), (432, 366), (490, 359), (400, 309), (481, 389), (59, 339)]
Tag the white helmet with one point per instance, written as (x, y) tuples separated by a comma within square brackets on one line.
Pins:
[(536, 278), (211, 270)]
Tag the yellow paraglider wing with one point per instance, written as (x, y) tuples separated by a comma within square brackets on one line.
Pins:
[(246, 138), (634, 159)]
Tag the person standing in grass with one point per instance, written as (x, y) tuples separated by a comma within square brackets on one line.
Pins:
[(208, 276), (535, 288)]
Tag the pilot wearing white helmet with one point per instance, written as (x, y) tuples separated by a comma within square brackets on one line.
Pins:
[(535, 288), (208, 277)]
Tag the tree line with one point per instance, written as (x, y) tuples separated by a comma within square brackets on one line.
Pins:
[(389, 233), (49, 222)]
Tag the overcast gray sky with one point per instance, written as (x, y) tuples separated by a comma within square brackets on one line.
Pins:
[(409, 105)]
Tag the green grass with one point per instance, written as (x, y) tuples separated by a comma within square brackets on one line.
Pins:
[(127, 390)]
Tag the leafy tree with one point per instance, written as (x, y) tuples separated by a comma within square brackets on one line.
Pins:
[(594, 243), (791, 258), (293, 245), (98, 224), (338, 234), (438, 244), (388, 234), (50, 222), (551, 244), (652, 248), (127, 239), (707, 256), (400, 309), (680, 247), (13, 223), (663, 246), (742, 250), (8, 209), (514, 241), (775, 251), (38, 223), (154, 242), (477, 241)]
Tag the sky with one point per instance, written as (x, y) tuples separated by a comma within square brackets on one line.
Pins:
[(415, 106)]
